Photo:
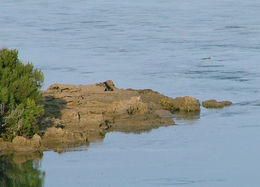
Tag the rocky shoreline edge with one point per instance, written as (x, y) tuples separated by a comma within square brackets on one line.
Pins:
[(78, 115)]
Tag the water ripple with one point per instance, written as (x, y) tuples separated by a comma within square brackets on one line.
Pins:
[(181, 181)]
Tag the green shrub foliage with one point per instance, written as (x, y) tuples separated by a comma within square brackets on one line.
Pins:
[(19, 96)]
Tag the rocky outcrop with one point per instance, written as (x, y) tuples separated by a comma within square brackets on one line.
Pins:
[(22, 144), (215, 104), (77, 115), (181, 104)]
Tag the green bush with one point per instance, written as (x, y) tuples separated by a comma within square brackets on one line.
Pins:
[(19, 96)]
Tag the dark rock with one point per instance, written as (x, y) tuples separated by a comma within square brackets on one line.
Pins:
[(109, 85)]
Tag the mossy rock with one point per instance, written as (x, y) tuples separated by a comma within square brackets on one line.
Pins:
[(181, 104), (215, 104)]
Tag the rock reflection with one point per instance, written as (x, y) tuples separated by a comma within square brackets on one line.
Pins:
[(186, 116), (17, 170)]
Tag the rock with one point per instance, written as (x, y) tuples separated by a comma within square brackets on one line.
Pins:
[(138, 108), (60, 125), (163, 113), (53, 132), (23, 144), (59, 87), (131, 106), (109, 85), (215, 104), (76, 113), (20, 141), (181, 104), (54, 87), (55, 138), (70, 116), (36, 140), (102, 107), (206, 58)]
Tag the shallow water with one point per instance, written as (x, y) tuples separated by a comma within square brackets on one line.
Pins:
[(157, 44)]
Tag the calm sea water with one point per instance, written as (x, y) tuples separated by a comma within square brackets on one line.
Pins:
[(157, 44)]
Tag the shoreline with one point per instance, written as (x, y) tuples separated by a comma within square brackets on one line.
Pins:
[(79, 115)]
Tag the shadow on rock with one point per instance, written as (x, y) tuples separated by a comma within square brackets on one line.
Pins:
[(52, 117)]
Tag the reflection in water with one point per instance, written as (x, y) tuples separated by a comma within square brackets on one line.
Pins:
[(14, 173), (187, 116)]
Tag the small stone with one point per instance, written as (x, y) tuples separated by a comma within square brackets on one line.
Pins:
[(181, 104), (19, 140), (54, 132), (215, 104), (36, 140), (110, 86), (60, 125)]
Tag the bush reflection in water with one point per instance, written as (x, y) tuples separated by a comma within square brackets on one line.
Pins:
[(15, 173)]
